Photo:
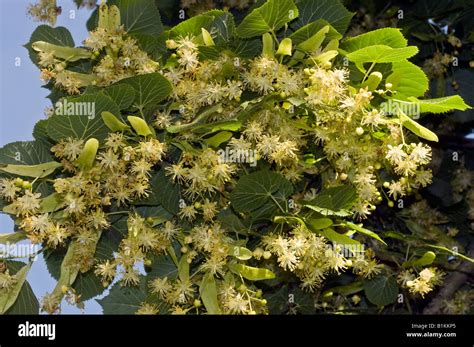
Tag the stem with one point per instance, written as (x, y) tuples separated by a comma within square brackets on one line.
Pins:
[(117, 212), (276, 202), (368, 72)]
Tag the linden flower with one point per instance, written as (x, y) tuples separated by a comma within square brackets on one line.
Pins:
[(160, 286), (130, 277), (373, 118), (184, 290), (396, 154), (419, 287), (268, 144), (40, 223), (237, 304), (108, 159), (6, 280), (147, 309), (56, 234), (396, 189), (188, 212), (163, 121), (427, 274), (46, 59), (214, 265), (209, 210), (253, 131), (152, 150), (97, 39), (233, 90), (115, 141), (421, 154), (177, 172), (8, 189), (106, 270), (141, 167), (423, 177), (28, 204), (406, 168), (288, 260), (404, 277)]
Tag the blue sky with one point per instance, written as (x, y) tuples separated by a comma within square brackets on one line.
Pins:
[(22, 101)]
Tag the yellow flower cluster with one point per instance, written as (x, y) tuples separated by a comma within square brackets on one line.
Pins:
[(123, 58), (422, 284), (311, 258)]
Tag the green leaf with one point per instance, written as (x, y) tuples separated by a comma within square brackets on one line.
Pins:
[(407, 80), (162, 266), (112, 122), (139, 16), (247, 48), (26, 302), (183, 269), (8, 297), (140, 126), (81, 126), (58, 36), (124, 300), (36, 171), (69, 54), (334, 201), (337, 238), (122, 94), (231, 125), (218, 139), (391, 37), (364, 231), (426, 259), (240, 253), (219, 23), (260, 194), (51, 203), (208, 293), (69, 270), (206, 36), (292, 220), (87, 157), (285, 47), (347, 289), (231, 222), (319, 223), (306, 32), (381, 290), (441, 105), (165, 192), (268, 45), (251, 273), (418, 129), (12, 237), (40, 133), (381, 54), (333, 11), (150, 90), (270, 17), (313, 43), (373, 81), (88, 285), (191, 26), (25, 153)]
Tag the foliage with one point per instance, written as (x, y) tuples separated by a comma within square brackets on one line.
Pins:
[(233, 159)]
